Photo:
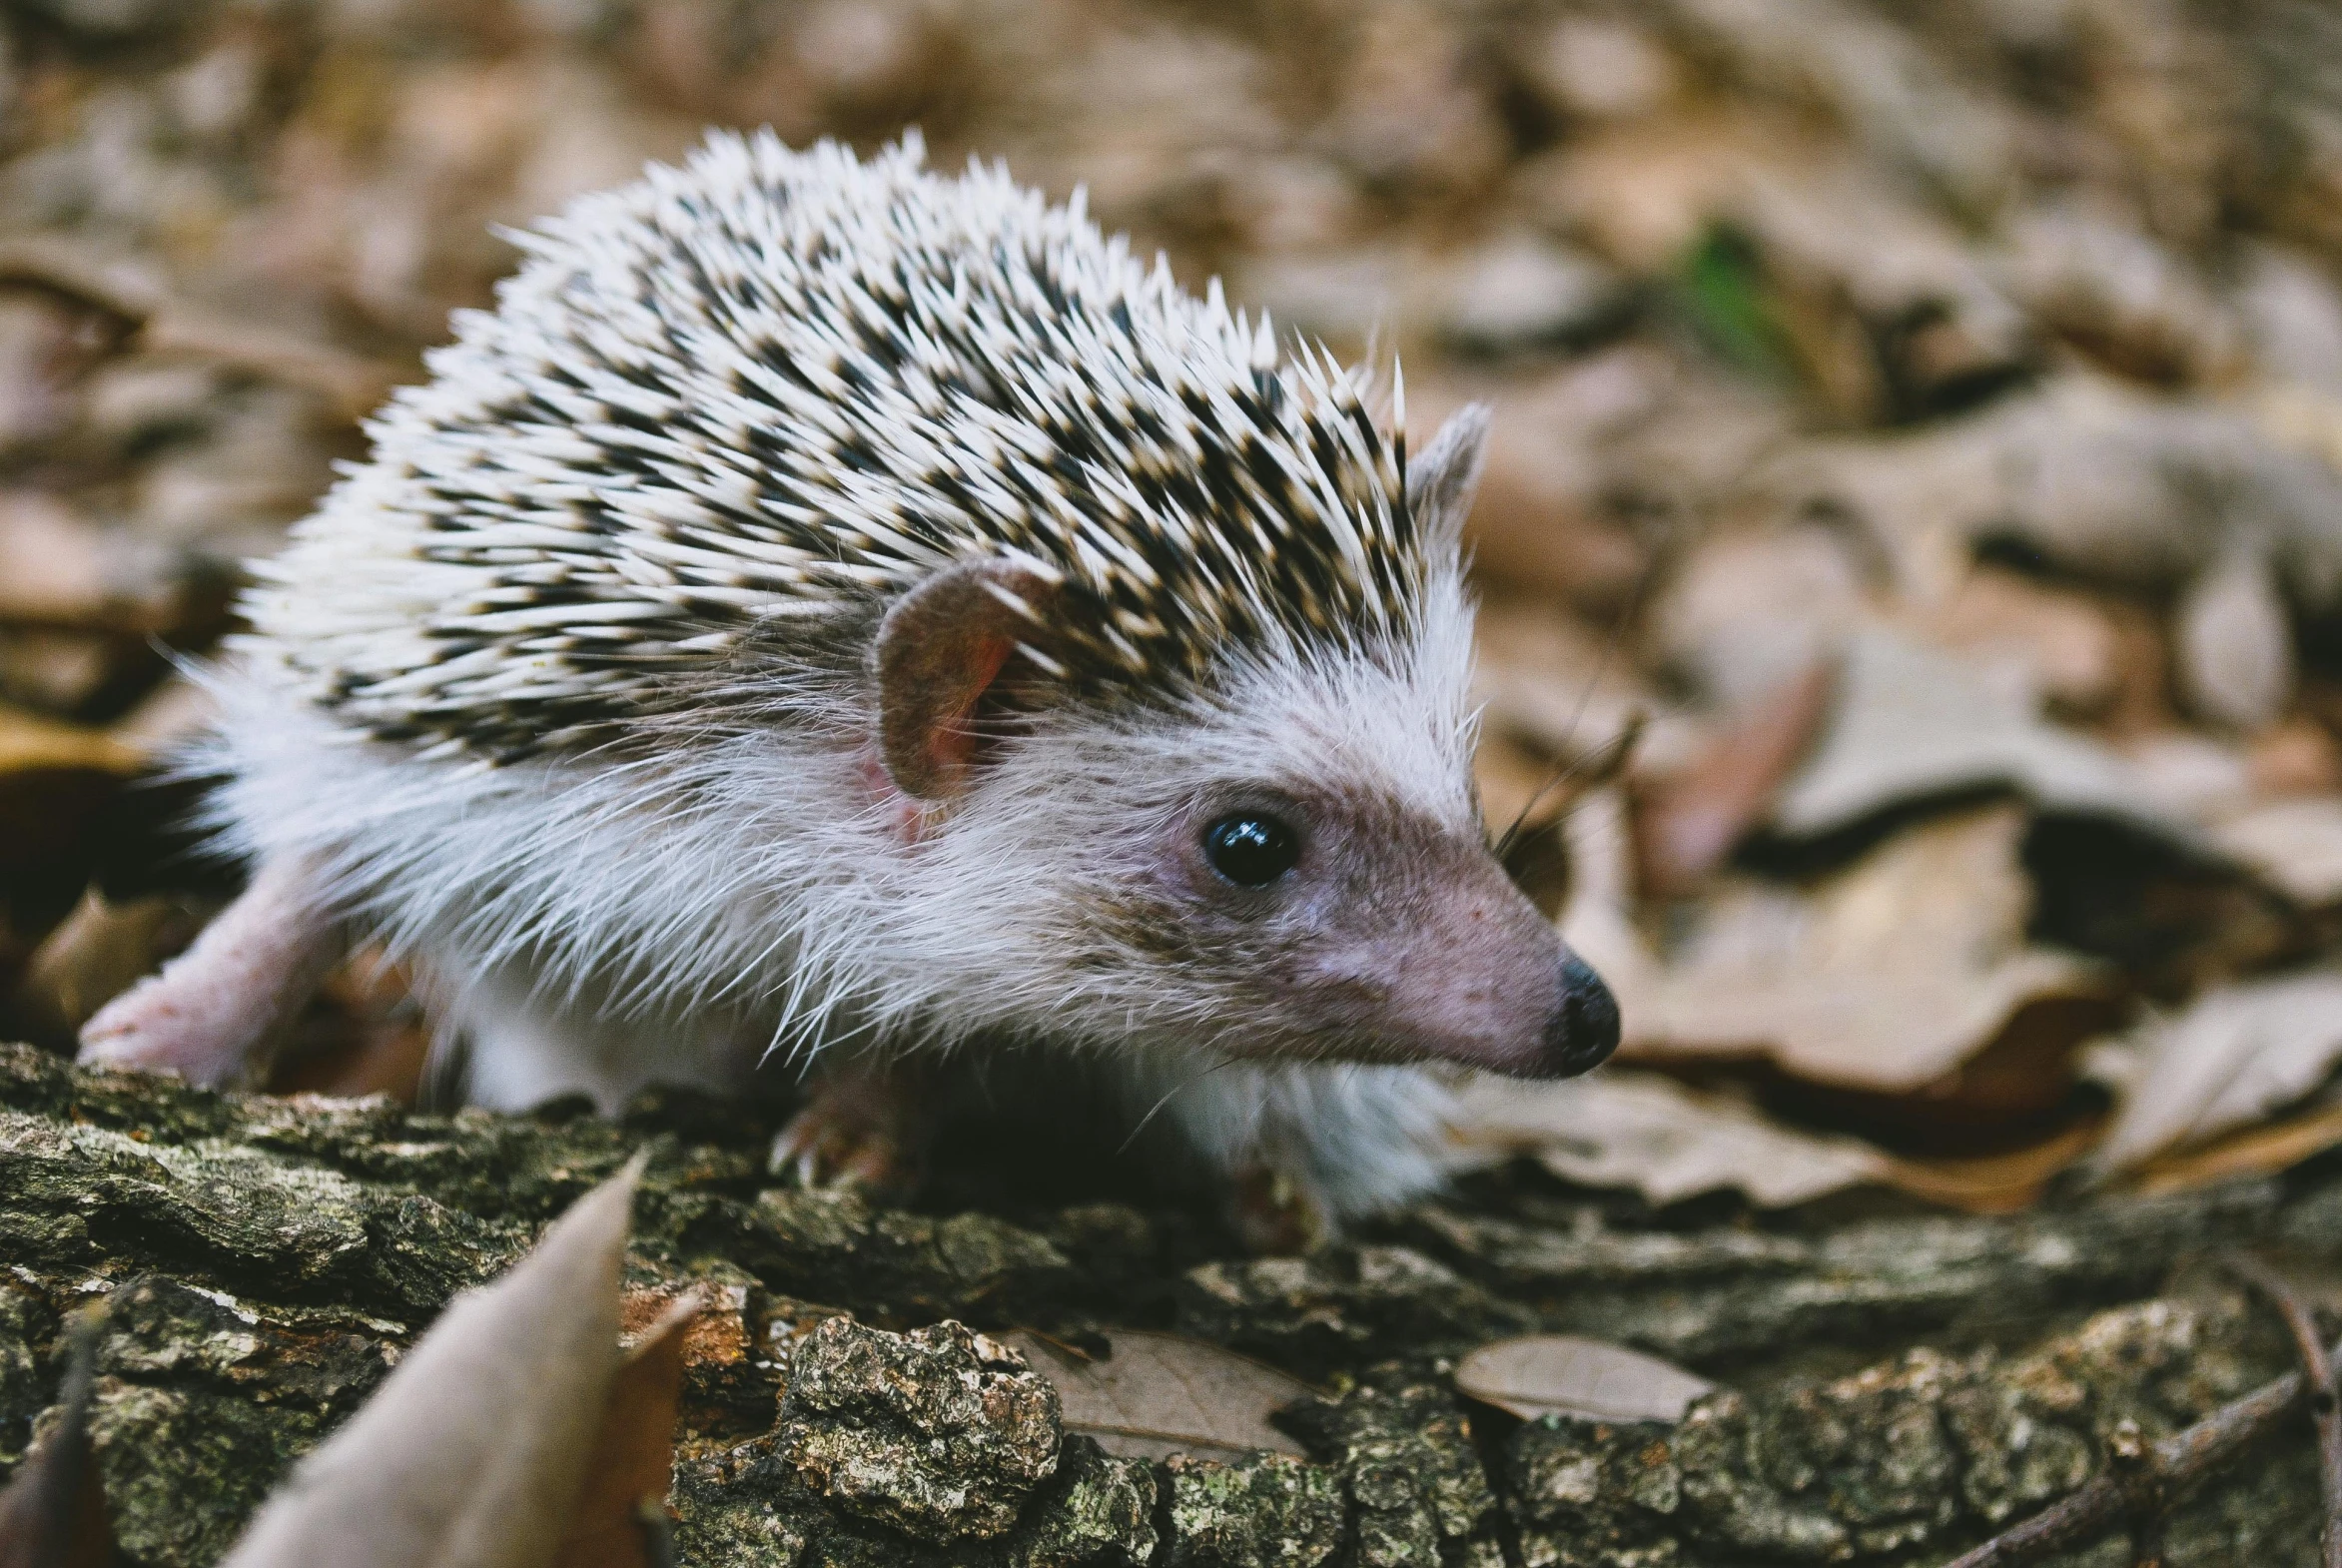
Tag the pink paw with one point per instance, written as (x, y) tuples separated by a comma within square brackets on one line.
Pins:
[(859, 1132)]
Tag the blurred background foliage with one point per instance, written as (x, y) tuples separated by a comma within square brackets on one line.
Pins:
[(1919, 433)]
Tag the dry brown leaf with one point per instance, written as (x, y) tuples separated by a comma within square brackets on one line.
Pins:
[(2255, 1150), (31, 744), (2130, 302), (1160, 1394), (473, 1453), (1536, 527), (1521, 291), (2234, 643), (1646, 1133), (1751, 609), (1887, 306), (2293, 845), (1886, 978), (1687, 823), (1913, 723), (634, 1452), (2228, 1060), (1599, 67), (2296, 756), (1590, 1379), (2065, 646), (1999, 1184), (1545, 677), (97, 953), (58, 569), (1904, 107), (53, 1510)]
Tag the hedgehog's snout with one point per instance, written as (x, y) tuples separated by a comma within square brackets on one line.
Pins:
[(1584, 1028)]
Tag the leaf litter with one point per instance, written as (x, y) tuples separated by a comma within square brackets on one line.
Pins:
[(2022, 421)]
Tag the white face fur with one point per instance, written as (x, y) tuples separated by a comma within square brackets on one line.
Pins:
[(1295, 870)]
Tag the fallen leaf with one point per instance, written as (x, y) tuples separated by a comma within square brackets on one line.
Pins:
[(97, 953), (1886, 978), (53, 1511), (1650, 1135), (2252, 1150), (1523, 291), (1912, 724), (472, 1454), (1892, 315), (2065, 646), (58, 569), (1590, 1379), (30, 744), (2235, 643), (634, 1452), (2233, 1056), (2294, 845), (2130, 304), (1159, 1394), (2297, 756), (1688, 823), (1999, 1183), (1752, 609), (1547, 678)]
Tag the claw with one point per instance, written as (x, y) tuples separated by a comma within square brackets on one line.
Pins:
[(857, 1131)]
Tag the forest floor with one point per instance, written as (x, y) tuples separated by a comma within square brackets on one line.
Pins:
[(1912, 554)]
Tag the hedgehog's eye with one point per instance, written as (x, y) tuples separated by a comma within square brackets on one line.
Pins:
[(1251, 848)]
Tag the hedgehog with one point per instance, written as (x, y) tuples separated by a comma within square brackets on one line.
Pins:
[(837, 615)]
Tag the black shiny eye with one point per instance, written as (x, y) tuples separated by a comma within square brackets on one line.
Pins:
[(1251, 849)]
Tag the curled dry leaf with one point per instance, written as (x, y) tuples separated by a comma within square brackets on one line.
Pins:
[(1591, 1380), (2128, 301), (634, 1452), (1646, 1133), (473, 1454), (53, 1510), (2231, 1058), (1159, 1394), (2065, 646), (1886, 978)]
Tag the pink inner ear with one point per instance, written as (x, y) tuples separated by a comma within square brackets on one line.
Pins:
[(939, 651), (951, 744)]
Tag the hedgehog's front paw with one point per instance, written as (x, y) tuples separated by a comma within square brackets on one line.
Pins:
[(1276, 1214), (863, 1130)]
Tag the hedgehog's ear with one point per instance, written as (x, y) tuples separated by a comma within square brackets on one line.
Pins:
[(940, 654), (1441, 480)]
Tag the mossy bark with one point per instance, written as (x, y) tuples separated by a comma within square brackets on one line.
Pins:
[(1896, 1388)]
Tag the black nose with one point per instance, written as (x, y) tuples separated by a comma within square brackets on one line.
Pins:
[(1584, 1030)]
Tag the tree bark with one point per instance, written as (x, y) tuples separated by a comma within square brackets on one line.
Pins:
[(1895, 1389)]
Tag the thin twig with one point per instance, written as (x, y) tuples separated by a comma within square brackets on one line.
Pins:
[(2318, 1367), (2163, 1474)]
